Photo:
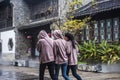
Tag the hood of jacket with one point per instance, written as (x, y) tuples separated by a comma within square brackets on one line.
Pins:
[(42, 34), (57, 34)]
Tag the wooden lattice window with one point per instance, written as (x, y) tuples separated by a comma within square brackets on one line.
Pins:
[(87, 31), (96, 31), (102, 30), (109, 27), (115, 29), (44, 9), (82, 35)]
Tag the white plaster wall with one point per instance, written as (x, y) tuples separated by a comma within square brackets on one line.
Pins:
[(5, 38)]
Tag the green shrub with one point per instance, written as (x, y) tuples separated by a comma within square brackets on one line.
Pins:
[(91, 52)]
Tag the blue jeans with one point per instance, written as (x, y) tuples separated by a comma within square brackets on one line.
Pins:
[(63, 68), (74, 72)]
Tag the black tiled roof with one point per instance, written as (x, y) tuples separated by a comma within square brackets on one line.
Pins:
[(100, 6), (1, 0), (37, 23), (4, 2)]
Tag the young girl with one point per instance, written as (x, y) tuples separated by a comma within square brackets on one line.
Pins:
[(61, 59), (72, 51)]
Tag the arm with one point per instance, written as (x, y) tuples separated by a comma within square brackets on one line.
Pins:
[(38, 46), (54, 49), (68, 48)]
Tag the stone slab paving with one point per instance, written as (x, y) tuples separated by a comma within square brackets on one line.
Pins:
[(22, 73), (11, 75)]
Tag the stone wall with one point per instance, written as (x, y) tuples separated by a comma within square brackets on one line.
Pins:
[(62, 10), (99, 67), (21, 12), (21, 16), (22, 45), (63, 7)]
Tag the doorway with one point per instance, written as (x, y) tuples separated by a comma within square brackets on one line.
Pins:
[(31, 35)]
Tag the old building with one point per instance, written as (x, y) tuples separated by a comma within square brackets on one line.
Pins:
[(7, 35), (20, 23), (105, 20)]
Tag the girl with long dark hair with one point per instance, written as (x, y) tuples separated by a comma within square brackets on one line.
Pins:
[(72, 51)]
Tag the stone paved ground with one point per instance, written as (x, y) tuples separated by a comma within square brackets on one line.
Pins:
[(22, 73)]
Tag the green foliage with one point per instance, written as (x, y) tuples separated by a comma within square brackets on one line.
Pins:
[(110, 53), (88, 52), (74, 25), (99, 53), (74, 3)]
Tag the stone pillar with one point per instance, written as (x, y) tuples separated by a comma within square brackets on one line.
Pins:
[(62, 9), (21, 16), (22, 45)]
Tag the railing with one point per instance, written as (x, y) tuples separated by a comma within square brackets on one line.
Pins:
[(39, 17), (44, 10)]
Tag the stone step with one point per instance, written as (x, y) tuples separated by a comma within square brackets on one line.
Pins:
[(5, 62), (100, 67), (33, 64), (20, 63), (26, 63)]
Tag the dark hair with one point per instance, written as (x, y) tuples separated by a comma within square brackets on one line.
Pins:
[(71, 38)]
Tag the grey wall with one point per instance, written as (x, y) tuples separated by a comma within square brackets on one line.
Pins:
[(21, 15), (22, 45), (21, 12)]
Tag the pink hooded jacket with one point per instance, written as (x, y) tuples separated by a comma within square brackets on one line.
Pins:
[(59, 48), (72, 57), (45, 47)]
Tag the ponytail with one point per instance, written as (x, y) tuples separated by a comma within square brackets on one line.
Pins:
[(73, 44)]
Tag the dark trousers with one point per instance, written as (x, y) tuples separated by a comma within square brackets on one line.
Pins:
[(51, 69), (74, 72)]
